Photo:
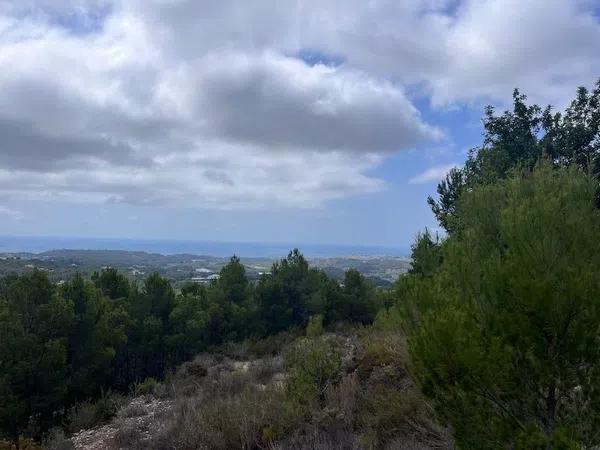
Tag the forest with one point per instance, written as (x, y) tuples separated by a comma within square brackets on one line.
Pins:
[(499, 317)]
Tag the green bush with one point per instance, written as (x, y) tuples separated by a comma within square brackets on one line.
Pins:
[(314, 328), (384, 352), (313, 365), (146, 387), (508, 350)]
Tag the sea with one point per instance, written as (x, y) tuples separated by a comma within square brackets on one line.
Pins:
[(40, 244)]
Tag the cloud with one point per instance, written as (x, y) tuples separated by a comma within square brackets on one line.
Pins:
[(552, 48), (120, 115), (433, 174), (276, 101), (212, 104), (468, 51)]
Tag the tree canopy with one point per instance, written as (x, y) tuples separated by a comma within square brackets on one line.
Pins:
[(520, 138), (63, 344)]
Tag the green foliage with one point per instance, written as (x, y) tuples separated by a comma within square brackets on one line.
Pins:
[(314, 328), (313, 365), (357, 300), (94, 339), (146, 387), (64, 344), (88, 414), (426, 255), (112, 284), (34, 328), (507, 337), (520, 138)]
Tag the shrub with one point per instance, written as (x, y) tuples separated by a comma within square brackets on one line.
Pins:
[(387, 413), (87, 414), (313, 366), (56, 440), (127, 435), (272, 345), (314, 328), (132, 410), (196, 370), (24, 444), (146, 387), (253, 418), (382, 353), (511, 334)]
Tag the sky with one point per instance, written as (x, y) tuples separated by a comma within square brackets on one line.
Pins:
[(316, 121)]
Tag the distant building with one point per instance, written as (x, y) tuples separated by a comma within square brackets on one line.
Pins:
[(207, 279)]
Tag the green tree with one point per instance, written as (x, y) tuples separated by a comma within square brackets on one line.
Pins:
[(284, 298), (188, 322), (508, 345), (95, 336), (426, 255), (112, 283), (520, 138), (356, 302), (34, 325), (233, 281), (147, 352)]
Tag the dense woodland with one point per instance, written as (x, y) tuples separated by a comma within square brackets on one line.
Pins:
[(501, 316), (67, 343)]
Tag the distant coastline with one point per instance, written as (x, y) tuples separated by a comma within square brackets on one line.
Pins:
[(38, 244)]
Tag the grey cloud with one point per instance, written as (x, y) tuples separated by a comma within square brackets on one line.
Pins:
[(196, 103), (25, 147), (276, 101)]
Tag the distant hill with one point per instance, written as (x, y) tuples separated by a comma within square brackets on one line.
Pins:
[(182, 267)]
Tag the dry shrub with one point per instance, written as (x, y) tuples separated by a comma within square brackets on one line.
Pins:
[(132, 410), (262, 370), (127, 435), (57, 440), (268, 346), (24, 444), (315, 438), (194, 369), (259, 348), (382, 352), (87, 414), (342, 399), (253, 418), (387, 413)]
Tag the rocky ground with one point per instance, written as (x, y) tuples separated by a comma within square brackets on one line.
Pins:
[(143, 416), (217, 397)]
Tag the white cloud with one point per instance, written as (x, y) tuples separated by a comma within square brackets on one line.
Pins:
[(469, 50), (126, 114), (206, 104), (433, 174)]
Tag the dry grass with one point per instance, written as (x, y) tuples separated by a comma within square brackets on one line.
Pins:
[(88, 415), (364, 399), (252, 418)]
